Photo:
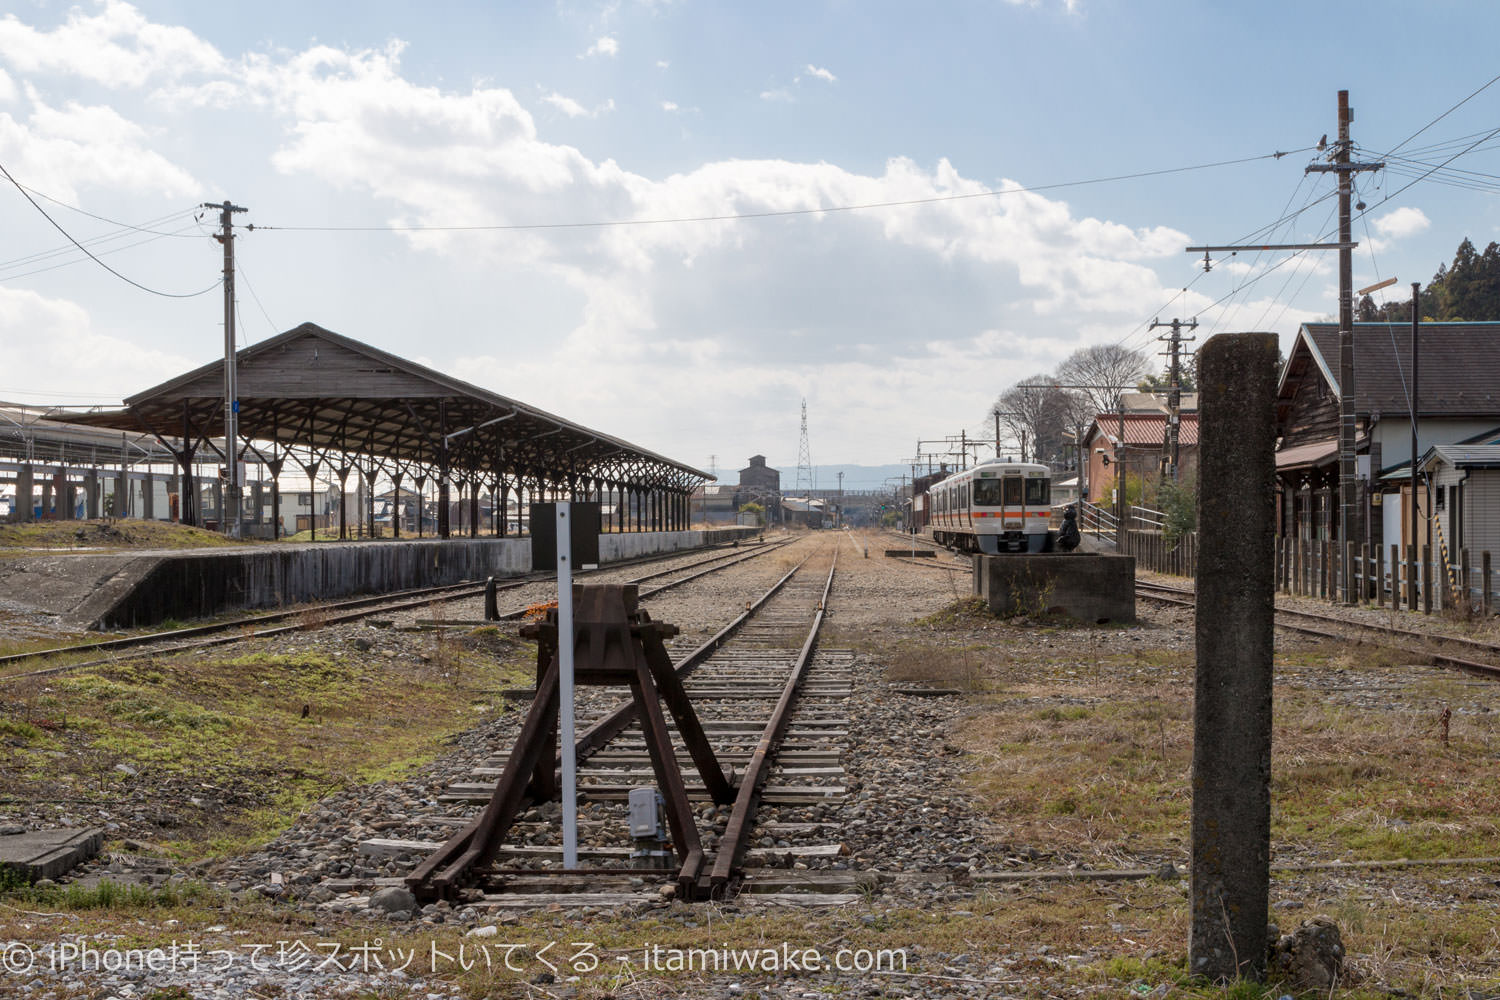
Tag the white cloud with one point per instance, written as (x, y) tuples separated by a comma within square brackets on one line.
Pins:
[(59, 150), (566, 105), (64, 355), (117, 46), (605, 46), (873, 302), (821, 74), (1400, 222), (7, 88), (777, 94), (662, 64)]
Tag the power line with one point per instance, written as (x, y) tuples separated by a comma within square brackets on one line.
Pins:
[(142, 228), (783, 213), (168, 295), (1493, 80), (77, 260)]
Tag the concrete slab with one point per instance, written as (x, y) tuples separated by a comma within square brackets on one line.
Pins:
[(1087, 586), (39, 854)]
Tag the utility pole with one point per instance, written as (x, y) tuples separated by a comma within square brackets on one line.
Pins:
[(1340, 164), (231, 516), (1174, 396), (841, 499), (1349, 512)]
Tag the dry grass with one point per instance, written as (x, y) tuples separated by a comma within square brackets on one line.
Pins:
[(275, 729), (121, 533)]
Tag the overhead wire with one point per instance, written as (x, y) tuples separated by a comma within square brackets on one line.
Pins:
[(239, 269), (1417, 170), (783, 213), (80, 260), (142, 228), (129, 281)]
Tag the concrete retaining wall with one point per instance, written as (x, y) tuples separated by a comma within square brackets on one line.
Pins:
[(189, 585), (1087, 586)]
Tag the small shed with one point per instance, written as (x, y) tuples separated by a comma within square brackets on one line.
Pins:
[(1465, 483)]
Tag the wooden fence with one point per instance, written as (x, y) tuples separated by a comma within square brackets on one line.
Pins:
[(1393, 577)]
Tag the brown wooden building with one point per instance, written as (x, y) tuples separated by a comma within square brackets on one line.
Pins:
[(1458, 397)]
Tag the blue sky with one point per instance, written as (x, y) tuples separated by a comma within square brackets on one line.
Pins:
[(699, 338)]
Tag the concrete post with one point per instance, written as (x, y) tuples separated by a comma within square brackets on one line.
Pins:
[(47, 484), (218, 491), (148, 496), (67, 497), (91, 494), (25, 504), (1231, 829)]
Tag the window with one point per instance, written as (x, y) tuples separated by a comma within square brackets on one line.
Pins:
[(1012, 491), (987, 493), (1038, 492)]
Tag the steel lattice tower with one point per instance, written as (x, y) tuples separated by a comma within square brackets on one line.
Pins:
[(804, 460)]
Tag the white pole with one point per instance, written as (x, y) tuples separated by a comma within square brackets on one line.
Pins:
[(565, 684)]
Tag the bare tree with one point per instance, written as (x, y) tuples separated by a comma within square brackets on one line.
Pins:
[(1102, 372), (1034, 410)]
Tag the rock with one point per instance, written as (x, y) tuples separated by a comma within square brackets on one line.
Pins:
[(11, 829), (1311, 957), (393, 899)]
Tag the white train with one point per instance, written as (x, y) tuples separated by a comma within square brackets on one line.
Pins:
[(997, 506)]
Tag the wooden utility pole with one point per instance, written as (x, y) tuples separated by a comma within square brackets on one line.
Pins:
[(1171, 442), (1345, 168), (230, 516)]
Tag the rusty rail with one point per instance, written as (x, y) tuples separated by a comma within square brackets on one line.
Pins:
[(736, 838)]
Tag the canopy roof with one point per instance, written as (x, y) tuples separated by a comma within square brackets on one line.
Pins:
[(334, 397)]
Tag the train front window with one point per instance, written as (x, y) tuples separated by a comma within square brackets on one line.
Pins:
[(987, 493), (1038, 492), (1012, 491)]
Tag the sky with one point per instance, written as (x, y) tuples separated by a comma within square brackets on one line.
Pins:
[(645, 215)]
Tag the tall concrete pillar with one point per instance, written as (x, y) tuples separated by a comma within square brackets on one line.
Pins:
[(47, 486), (1231, 828), (148, 495), (120, 504), (67, 497), (24, 509), (257, 503), (218, 491), (91, 494)]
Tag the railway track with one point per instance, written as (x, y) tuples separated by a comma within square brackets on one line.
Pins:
[(1332, 627), (772, 706), (338, 612)]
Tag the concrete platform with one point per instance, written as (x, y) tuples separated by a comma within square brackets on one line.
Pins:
[(41, 854), (117, 590), (1091, 587)]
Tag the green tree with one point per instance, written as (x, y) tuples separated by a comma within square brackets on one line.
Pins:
[(1179, 502)]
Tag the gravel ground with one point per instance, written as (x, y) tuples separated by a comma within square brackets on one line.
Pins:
[(908, 820)]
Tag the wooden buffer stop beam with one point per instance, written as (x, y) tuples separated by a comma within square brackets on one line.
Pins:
[(615, 645)]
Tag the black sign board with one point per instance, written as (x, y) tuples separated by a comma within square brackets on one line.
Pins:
[(585, 523)]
